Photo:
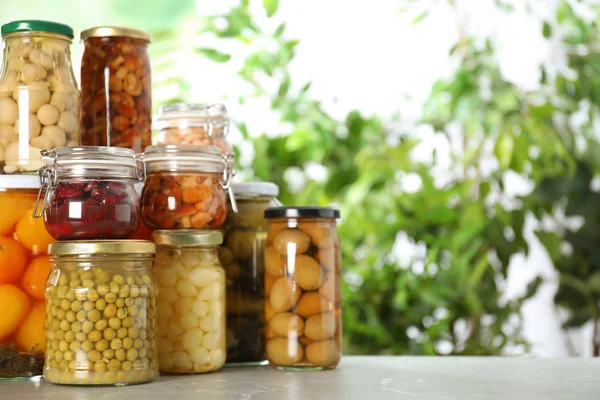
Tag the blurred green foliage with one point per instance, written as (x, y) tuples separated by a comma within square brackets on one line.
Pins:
[(444, 294)]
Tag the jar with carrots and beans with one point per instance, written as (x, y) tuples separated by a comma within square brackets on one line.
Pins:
[(185, 187)]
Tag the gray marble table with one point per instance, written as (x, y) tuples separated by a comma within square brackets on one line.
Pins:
[(371, 378)]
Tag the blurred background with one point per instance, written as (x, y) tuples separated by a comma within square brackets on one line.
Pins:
[(460, 139)]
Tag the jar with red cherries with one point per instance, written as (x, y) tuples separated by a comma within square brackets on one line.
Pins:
[(89, 193)]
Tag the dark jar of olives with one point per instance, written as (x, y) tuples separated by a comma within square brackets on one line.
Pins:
[(243, 259)]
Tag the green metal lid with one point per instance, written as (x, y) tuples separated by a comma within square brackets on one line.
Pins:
[(30, 25)]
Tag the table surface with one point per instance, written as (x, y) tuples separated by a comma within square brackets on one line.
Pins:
[(372, 378)]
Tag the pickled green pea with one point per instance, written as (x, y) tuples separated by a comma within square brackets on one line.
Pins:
[(120, 302), (118, 279), (94, 336), (99, 366), (121, 313), (65, 325), (120, 354), (59, 335), (87, 326), (81, 316), (122, 332), (102, 345), (76, 306), (127, 343), (81, 295), (88, 283), (74, 283), (93, 315), (128, 322), (133, 332), (81, 336), (63, 346), (101, 325), (110, 298), (126, 365), (87, 345), (132, 354), (100, 304), (94, 356), (71, 316), (69, 336), (103, 289), (109, 334), (65, 305), (74, 346), (61, 314), (108, 353), (138, 344), (114, 323), (88, 305), (92, 295), (114, 365)]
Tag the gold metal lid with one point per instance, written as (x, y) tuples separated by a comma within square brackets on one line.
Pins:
[(77, 247), (187, 237), (115, 31)]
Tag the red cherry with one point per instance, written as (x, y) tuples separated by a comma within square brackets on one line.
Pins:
[(67, 192)]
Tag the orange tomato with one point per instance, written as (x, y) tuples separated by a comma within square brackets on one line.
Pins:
[(34, 278), (14, 306), (31, 336), (13, 207), (31, 232), (13, 259)]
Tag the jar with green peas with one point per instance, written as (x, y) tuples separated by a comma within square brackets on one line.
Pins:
[(100, 313)]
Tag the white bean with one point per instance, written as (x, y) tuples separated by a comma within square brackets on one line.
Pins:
[(61, 100), (16, 64), (48, 114), (58, 136), (7, 135), (1, 153), (68, 122), (33, 72), (8, 84), (200, 355), (34, 127), (192, 338), (8, 111), (72, 143), (44, 142)]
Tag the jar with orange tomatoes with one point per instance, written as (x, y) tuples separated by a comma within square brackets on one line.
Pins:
[(24, 268)]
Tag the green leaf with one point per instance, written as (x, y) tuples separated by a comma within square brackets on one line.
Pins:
[(551, 242), (213, 54), (532, 287), (546, 30), (279, 30), (271, 7), (419, 17), (504, 149)]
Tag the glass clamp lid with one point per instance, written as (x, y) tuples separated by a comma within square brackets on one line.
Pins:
[(255, 189), (189, 158), (187, 238), (85, 162), (302, 212)]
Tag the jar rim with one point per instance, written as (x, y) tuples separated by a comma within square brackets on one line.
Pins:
[(115, 31), (302, 212), (193, 110), (33, 25), (187, 237), (90, 154), (255, 188), (82, 247)]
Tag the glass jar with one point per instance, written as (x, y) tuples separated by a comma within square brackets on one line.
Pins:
[(184, 187), (116, 102), (90, 193), (191, 301), (302, 286), (24, 267), (242, 257), (185, 123), (100, 313), (39, 100)]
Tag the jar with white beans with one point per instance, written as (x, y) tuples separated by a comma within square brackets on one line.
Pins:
[(191, 301), (39, 100)]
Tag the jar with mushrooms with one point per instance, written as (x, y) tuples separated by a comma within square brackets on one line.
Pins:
[(100, 313), (116, 108), (39, 100), (191, 301), (242, 256), (302, 288)]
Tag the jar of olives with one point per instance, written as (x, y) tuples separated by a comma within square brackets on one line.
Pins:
[(100, 313), (302, 287), (191, 301), (39, 100), (90, 193), (242, 256), (184, 187)]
